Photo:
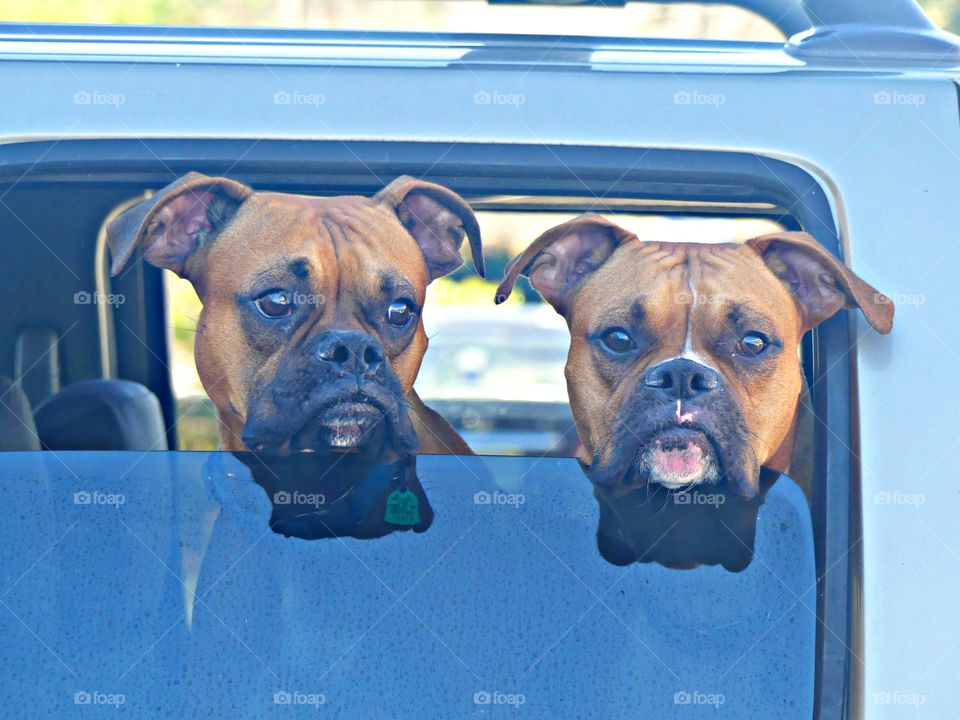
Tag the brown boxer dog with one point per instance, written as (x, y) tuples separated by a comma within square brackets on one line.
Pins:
[(683, 370), (310, 336)]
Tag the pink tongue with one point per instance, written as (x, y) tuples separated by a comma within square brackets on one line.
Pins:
[(685, 462)]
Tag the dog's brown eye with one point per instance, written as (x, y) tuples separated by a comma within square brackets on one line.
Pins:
[(399, 313), (618, 340), (752, 344), (275, 304)]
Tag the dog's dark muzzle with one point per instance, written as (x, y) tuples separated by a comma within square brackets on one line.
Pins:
[(680, 429), (337, 393)]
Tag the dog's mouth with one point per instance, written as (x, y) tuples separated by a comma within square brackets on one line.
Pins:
[(661, 445), (679, 457), (359, 419), (344, 424)]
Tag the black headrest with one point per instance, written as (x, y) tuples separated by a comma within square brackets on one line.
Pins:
[(17, 429), (101, 415)]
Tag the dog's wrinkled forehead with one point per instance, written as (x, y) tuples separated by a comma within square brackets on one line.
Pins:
[(316, 241), (565, 258), (678, 286), (592, 251)]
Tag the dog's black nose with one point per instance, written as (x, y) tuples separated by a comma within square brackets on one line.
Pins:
[(682, 379), (349, 351)]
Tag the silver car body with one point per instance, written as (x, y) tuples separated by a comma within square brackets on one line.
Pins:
[(882, 140)]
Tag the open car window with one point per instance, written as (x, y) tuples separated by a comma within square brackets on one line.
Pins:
[(727, 556), (494, 372)]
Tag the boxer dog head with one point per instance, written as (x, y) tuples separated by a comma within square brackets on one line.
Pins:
[(310, 336), (683, 369)]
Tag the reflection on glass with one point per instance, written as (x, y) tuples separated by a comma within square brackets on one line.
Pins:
[(682, 530), (157, 577), (324, 495)]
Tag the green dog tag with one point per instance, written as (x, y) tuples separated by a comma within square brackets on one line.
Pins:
[(403, 508)]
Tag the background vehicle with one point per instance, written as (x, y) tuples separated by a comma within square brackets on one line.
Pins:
[(848, 130)]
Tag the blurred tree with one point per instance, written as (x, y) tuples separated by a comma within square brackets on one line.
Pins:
[(945, 13), (343, 13), (641, 19), (144, 12)]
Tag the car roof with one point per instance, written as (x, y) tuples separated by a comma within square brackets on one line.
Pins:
[(859, 46)]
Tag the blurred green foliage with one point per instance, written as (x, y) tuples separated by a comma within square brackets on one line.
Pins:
[(946, 13), (159, 12)]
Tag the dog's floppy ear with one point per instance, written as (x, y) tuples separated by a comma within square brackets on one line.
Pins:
[(174, 223), (559, 259), (437, 218), (820, 283)]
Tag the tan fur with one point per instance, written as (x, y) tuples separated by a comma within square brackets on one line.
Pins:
[(318, 229), (600, 276), (227, 240), (719, 273)]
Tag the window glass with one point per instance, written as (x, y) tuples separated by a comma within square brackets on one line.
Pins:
[(155, 584)]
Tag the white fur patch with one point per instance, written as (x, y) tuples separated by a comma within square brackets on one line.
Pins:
[(688, 352)]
